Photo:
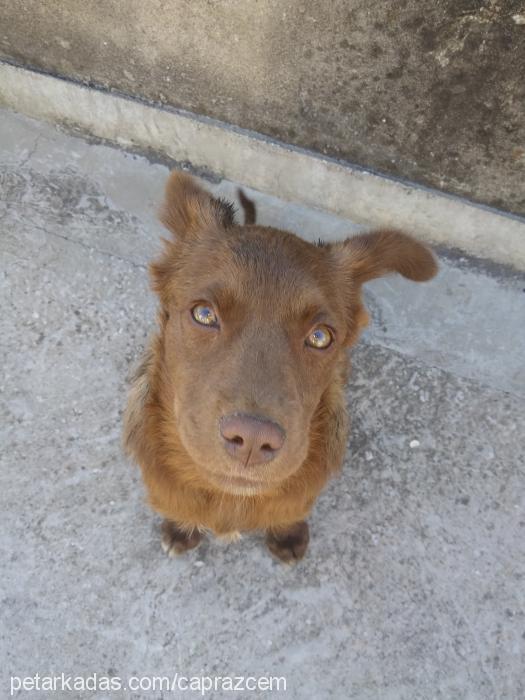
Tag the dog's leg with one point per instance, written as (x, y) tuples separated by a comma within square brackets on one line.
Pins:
[(288, 544), (176, 541)]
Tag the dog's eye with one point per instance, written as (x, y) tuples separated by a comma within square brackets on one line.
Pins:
[(204, 315), (321, 337)]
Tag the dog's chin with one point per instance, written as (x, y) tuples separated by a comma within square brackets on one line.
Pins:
[(239, 485), (224, 477)]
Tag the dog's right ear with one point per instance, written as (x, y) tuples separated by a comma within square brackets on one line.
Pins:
[(188, 208), (187, 211)]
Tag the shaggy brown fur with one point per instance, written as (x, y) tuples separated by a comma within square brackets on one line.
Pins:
[(268, 291)]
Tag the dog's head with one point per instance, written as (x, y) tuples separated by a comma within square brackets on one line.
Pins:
[(256, 325)]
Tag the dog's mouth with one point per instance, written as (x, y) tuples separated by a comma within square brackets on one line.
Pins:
[(238, 484)]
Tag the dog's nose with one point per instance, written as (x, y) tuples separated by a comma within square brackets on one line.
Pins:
[(251, 440)]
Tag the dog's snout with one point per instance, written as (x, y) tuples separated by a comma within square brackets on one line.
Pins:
[(251, 440)]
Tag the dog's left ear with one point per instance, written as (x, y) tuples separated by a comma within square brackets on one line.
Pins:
[(380, 253), (376, 254)]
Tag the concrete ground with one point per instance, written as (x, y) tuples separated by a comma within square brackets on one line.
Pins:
[(414, 585)]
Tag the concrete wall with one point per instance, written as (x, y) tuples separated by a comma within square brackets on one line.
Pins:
[(428, 90)]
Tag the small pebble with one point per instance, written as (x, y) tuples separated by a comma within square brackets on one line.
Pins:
[(198, 563), (414, 443)]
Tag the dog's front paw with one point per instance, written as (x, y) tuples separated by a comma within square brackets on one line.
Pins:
[(176, 541), (290, 544)]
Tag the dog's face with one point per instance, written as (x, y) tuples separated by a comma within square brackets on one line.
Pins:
[(257, 323)]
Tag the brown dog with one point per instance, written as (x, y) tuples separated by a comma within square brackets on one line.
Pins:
[(237, 414)]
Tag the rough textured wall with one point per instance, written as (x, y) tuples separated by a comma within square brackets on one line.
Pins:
[(429, 90)]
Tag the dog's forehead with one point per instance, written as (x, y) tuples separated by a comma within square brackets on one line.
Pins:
[(274, 253), (273, 270)]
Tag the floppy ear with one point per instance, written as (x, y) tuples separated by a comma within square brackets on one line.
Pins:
[(371, 255), (380, 253), (188, 208)]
